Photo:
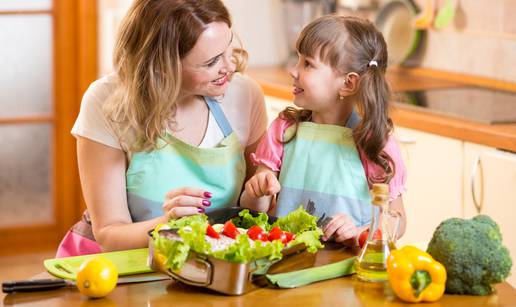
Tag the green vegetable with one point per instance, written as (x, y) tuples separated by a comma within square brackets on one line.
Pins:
[(297, 221), (307, 276), (304, 226), (472, 252), (241, 251), (246, 220), (310, 238)]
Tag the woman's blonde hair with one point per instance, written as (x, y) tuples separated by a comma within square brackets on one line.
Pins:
[(349, 44), (153, 38)]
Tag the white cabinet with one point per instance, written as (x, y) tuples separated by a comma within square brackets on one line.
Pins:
[(434, 182), (491, 175), (275, 105)]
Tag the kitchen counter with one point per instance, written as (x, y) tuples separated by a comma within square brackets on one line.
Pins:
[(346, 291), (276, 82)]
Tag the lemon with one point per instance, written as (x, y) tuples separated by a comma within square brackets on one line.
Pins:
[(161, 226), (97, 277)]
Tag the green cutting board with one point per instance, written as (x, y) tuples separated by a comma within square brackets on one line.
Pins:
[(128, 262)]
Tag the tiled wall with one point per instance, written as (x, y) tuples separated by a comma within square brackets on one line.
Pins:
[(481, 40)]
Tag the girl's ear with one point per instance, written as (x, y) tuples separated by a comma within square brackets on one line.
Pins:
[(350, 85)]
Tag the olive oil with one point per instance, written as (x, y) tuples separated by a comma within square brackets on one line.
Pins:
[(371, 265)]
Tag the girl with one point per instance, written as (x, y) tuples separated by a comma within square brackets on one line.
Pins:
[(170, 132), (324, 155)]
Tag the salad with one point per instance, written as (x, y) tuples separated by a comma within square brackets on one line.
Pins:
[(241, 239)]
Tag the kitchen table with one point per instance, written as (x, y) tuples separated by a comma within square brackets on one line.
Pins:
[(345, 291)]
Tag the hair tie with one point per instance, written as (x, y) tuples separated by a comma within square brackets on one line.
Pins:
[(372, 63)]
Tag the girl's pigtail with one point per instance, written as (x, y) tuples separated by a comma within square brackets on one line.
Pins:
[(373, 131), (296, 116)]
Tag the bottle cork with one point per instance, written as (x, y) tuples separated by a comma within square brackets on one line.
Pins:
[(380, 194)]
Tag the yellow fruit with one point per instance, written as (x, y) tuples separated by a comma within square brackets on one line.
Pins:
[(97, 277)]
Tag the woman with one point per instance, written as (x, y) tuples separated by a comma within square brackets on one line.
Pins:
[(170, 133)]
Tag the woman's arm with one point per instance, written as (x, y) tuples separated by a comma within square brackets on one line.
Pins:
[(102, 173)]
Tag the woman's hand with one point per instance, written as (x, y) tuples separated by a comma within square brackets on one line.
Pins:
[(342, 228), (263, 183), (186, 201)]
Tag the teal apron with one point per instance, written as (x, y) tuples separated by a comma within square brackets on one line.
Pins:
[(150, 175), (322, 171), (219, 170)]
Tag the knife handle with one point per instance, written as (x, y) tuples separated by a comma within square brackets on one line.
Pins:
[(32, 285)]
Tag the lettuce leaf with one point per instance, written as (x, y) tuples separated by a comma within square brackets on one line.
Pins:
[(192, 230), (297, 221), (188, 220), (246, 220), (242, 251), (310, 239), (175, 252)]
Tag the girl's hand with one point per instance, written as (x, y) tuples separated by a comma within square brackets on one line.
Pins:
[(262, 183), (342, 228), (185, 201)]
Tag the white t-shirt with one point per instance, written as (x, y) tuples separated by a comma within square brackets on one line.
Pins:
[(243, 104)]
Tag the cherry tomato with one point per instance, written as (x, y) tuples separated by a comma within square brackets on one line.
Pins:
[(377, 235), (363, 237), (211, 232), (290, 236), (257, 233), (230, 230), (277, 234)]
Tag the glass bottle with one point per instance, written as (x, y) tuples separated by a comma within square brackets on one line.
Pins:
[(371, 264)]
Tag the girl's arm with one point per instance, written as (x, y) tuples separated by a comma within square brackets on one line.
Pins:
[(260, 189), (250, 166), (344, 230)]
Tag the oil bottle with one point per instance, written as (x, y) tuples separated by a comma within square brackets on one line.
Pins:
[(371, 264)]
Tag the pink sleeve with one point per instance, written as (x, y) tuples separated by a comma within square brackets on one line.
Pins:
[(270, 149), (397, 183)]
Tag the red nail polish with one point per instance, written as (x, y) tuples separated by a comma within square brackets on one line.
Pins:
[(200, 210), (206, 202), (207, 194)]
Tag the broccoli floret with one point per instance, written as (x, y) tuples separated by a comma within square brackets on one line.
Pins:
[(472, 252)]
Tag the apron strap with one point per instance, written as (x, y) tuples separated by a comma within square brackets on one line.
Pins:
[(220, 118), (353, 120)]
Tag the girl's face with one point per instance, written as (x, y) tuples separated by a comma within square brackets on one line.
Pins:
[(316, 84), (207, 68)]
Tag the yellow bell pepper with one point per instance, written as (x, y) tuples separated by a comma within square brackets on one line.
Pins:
[(415, 276)]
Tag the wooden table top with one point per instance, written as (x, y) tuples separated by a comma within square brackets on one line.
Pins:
[(346, 291)]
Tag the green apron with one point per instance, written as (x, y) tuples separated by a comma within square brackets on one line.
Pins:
[(321, 170), (219, 170)]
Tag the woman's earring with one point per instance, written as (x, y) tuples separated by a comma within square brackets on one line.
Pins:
[(341, 97)]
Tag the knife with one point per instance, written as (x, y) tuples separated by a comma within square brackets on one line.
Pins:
[(31, 285)]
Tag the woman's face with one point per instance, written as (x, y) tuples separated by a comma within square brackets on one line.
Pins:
[(207, 68)]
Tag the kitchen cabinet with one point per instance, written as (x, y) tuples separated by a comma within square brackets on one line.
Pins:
[(275, 105), (490, 188), (434, 182)]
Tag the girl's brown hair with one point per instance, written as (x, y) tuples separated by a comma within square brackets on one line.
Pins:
[(349, 44), (154, 36)]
